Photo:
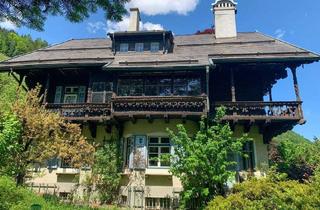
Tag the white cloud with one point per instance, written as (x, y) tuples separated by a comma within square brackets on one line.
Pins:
[(94, 27), (280, 33), (7, 24), (163, 7)]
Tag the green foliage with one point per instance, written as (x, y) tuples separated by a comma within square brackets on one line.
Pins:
[(273, 192), (13, 44), (20, 198), (10, 132), (33, 13), (202, 162), (107, 169), (295, 155)]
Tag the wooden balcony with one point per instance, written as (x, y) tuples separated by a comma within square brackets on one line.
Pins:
[(134, 107), (262, 111), (82, 112), (178, 106)]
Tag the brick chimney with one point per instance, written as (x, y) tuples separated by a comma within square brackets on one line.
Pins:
[(134, 24), (225, 18)]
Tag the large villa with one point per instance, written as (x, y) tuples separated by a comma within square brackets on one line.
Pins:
[(139, 83)]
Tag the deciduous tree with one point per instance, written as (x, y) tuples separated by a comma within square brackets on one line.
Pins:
[(43, 135), (201, 162)]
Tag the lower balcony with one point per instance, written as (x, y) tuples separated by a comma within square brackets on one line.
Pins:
[(262, 111)]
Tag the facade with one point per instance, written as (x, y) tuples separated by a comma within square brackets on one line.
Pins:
[(138, 83)]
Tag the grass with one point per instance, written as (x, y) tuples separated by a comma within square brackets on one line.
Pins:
[(3, 57)]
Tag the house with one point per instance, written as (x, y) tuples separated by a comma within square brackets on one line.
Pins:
[(138, 83)]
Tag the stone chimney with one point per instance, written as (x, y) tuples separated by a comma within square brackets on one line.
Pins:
[(134, 24), (225, 18)]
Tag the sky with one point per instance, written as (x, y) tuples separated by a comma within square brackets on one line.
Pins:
[(295, 21)]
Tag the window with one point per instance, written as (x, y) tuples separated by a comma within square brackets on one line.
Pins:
[(154, 47), (151, 203), (124, 47), (248, 162), (130, 87), (187, 86), (101, 92), (158, 87), (139, 47), (159, 149), (165, 203), (71, 95)]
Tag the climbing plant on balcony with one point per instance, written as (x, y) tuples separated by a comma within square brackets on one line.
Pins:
[(202, 162)]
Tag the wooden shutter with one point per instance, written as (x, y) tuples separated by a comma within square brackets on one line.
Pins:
[(82, 94), (58, 95), (140, 152)]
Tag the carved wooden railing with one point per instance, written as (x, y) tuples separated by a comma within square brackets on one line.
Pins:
[(188, 105), (254, 110), (130, 106), (78, 111)]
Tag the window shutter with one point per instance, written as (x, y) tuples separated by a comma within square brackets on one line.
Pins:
[(82, 94), (131, 151), (58, 95), (140, 153)]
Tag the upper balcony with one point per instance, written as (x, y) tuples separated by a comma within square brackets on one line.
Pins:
[(135, 107)]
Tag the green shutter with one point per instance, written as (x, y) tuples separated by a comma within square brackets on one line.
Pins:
[(58, 95), (82, 94)]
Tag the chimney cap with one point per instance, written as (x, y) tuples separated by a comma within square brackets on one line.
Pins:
[(218, 1)]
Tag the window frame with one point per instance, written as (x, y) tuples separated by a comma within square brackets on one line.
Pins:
[(139, 47), (123, 49), (152, 45), (248, 163), (159, 146)]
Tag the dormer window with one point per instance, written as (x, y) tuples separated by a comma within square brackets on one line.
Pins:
[(124, 47), (139, 47), (155, 46)]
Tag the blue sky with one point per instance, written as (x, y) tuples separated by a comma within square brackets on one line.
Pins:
[(292, 21)]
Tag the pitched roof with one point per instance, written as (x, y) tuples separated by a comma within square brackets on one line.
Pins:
[(189, 51)]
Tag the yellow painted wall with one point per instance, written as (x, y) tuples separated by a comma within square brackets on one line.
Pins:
[(101, 134), (157, 127), (260, 149)]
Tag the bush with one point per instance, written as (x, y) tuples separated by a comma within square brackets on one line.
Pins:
[(20, 198), (273, 192)]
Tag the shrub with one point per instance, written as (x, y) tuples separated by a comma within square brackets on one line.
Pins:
[(273, 192), (20, 198)]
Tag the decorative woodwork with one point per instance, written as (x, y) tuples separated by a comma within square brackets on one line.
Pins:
[(263, 111)]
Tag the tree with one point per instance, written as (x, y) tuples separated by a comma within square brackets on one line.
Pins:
[(33, 13), (107, 169), (43, 135), (202, 162), (294, 155)]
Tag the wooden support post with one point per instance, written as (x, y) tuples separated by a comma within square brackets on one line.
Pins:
[(296, 89), (208, 87), (46, 90), (270, 94), (233, 88), (295, 82), (89, 93)]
